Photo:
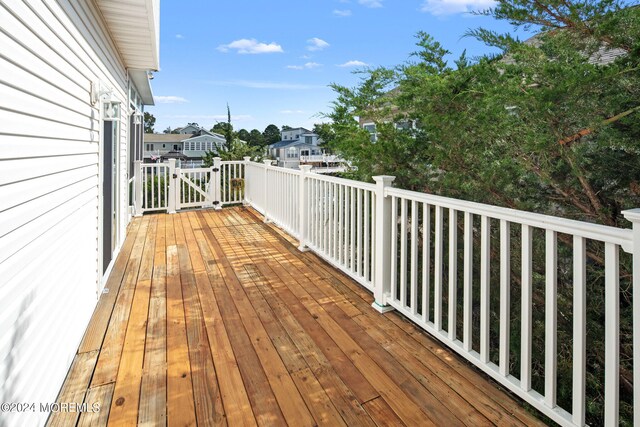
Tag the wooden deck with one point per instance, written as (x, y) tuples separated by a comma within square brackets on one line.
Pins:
[(213, 317)]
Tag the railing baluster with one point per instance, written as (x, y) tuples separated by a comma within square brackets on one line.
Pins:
[(453, 272), (579, 329), (525, 333), (334, 214), (437, 276), (611, 335), (414, 257), (358, 269), (551, 320), (505, 296), (485, 276), (367, 236), (426, 260), (468, 281), (352, 245), (403, 252), (394, 247)]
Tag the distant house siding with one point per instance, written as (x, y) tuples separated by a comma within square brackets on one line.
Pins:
[(50, 53)]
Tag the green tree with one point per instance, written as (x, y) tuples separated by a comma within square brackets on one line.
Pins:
[(149, 122), (243, 134), (271, 134), (543, 126), (220, 128), (256, 139)]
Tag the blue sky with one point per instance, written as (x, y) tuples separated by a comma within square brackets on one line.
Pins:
[(272, 61)]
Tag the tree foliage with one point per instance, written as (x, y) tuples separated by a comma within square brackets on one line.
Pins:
[(243, 134), (271, 134), (544, 127), (149, 122), (256, 139)]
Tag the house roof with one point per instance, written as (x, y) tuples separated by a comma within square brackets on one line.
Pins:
[(293, 129), (204, 138), (134, 26), (164, 137), (285, 143)]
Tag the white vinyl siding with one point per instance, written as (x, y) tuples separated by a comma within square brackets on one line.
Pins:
[(50, 54)]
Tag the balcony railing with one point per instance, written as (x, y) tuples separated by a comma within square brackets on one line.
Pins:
[(419, 253)]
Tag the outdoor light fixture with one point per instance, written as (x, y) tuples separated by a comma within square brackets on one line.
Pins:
[(137, 119), (111, 110)]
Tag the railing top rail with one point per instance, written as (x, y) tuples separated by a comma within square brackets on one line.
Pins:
[(276, 168), (232, 162), (603, 233), (343, 181)]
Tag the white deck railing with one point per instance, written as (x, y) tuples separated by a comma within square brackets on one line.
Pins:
[(418, 253)]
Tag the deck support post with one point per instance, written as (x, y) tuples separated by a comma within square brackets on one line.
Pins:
[(382, 260), (247, 161), (303, 207), (215, 186), (173, 188), (265, 192), (633, 216), (137, 188)]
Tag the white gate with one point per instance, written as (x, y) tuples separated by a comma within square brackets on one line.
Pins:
[(196, 188), (163, 186)]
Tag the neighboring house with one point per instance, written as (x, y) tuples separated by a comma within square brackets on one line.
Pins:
[(74, 80), (300, 146), (192, 143)]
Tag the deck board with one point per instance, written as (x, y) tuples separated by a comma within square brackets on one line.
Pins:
[(215, 318)]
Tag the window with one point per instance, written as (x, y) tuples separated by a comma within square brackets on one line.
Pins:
[(371, 128), (149, 147), (198, 145), (291, 153), (308, 140), (175, 147), (163, 146)]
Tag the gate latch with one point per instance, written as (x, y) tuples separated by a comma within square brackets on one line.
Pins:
[(175, 175), (215, 170)]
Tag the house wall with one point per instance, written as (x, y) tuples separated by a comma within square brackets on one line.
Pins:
[(50, 53)]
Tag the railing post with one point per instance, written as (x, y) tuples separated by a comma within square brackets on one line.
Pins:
[(633, 216), (215, 186), (137, 188), (267, 163), (382, 260), (173, 188), (247, 161), (303, 204)]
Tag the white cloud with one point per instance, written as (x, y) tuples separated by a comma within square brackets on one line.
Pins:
[(371, 3), (316, 44), (353, 63), (307, 66), (448, 7), (343, 13), (179, 36), (170, 99), (256, 84), (251, 46)]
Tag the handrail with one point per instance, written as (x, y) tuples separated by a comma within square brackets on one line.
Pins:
[(603, 233)]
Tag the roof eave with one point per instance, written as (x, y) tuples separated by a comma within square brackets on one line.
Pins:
[(139, 45)]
